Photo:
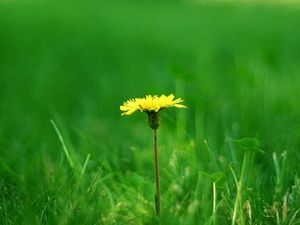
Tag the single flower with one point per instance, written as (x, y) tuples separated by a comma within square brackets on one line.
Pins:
[(150, 104)]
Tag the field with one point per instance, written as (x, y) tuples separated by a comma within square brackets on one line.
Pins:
[(67, 156)]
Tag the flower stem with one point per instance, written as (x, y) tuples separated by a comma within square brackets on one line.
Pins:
[(157, 195)]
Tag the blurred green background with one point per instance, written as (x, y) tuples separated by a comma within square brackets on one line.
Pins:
[(235, 65)]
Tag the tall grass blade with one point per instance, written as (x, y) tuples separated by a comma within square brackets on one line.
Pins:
[(66, 151)]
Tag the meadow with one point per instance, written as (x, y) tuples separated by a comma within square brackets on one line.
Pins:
[(67, 156)]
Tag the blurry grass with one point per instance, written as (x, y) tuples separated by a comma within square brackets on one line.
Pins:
[(236, 66)]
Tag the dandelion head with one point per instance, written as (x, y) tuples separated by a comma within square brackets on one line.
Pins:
[(150, 104)]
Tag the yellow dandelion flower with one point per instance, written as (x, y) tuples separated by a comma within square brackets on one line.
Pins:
[(150, 104)]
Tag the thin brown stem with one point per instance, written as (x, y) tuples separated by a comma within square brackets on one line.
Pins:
[(157, 182)]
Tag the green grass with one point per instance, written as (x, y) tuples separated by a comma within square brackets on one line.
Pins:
[(68, 157)]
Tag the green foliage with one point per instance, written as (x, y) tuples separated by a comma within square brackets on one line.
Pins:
[(237, 68), (248, 145)]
